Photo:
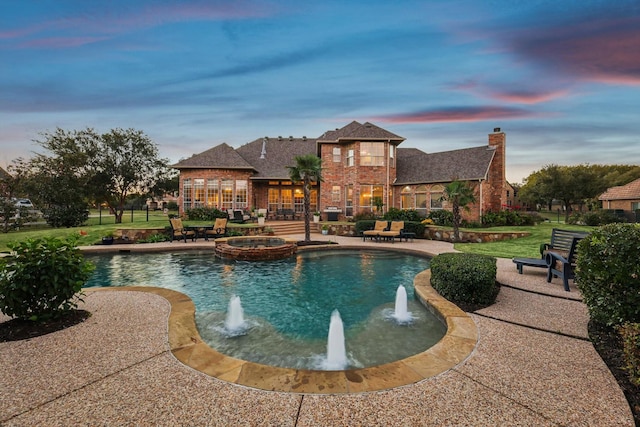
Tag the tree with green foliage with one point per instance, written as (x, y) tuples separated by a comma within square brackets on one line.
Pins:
[(308, 169), (460, 195), (123, 162), (87, 166)]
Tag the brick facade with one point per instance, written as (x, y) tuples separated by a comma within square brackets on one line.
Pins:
[(349, 185)]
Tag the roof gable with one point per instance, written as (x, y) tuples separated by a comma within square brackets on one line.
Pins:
[(415, 166), (623, 192), (221, 156), (278, 154), (355, 131)]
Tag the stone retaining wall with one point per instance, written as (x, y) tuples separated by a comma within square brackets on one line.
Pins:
[(432, 233)]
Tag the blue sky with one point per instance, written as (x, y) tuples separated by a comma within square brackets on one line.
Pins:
[(561, 78)]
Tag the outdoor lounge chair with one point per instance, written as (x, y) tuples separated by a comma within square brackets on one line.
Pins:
[(219, 229), (179, 232), (375, 233), (395, 230)]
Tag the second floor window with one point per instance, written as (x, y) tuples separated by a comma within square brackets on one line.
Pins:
[(371, 154), (336, 154)]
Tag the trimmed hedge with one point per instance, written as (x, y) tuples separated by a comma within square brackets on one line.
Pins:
[(465, 278), (608, 273)]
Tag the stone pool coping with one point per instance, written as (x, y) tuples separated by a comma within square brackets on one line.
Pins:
[(188, 347)]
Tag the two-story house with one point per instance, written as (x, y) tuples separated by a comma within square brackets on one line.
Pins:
[(363, 169)]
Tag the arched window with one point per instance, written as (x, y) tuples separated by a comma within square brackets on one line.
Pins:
[(406, 199), (436, 196), (421, 199)]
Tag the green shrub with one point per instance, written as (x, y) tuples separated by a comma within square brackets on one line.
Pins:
[(465, 278), (204, 214), (155, 238), (395, 214), (630, 334), (594, 218), (363, 216), (509, 218), (172, 206), (441, 217), (608, 273), (42, 278), (414, 227)]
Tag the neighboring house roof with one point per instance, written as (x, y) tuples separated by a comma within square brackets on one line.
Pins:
[(221, 156), (623, 192), (278, 154), (417, 167), (355, 131)]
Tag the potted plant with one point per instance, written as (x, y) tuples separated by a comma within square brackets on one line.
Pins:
[(268, 231), (316, 217), (107, 239), (325, 229), (260, 218)]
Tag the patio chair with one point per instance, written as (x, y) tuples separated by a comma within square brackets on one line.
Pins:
[(219, 229), (179, 232), (239, 217), (395, 230), (379, 227)]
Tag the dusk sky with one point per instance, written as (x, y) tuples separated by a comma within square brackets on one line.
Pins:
[(560, 77)]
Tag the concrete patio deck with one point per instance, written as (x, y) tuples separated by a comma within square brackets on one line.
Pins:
[(532, 366)]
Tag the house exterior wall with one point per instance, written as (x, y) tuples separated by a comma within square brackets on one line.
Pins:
[(359, 177), (627, 205), (219, 174), (491, 193)]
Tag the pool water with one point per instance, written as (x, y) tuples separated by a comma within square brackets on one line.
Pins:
[(288, 303)]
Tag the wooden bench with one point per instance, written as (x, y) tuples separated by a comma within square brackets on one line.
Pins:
[(562, 263), (561, 244)]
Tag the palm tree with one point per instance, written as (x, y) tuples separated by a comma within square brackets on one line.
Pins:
[(459, 194), (308, 169)]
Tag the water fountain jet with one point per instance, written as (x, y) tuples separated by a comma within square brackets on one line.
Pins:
[(336, 351), (234, 322), (401, 314)]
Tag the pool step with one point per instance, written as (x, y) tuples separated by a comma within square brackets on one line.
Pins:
[(287, 227)]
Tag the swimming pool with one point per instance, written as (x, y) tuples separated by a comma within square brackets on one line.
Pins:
[(288, 303)]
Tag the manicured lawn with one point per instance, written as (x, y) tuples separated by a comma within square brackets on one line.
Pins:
[(92, 232), (524, 247)]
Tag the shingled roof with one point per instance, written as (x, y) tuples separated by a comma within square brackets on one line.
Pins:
[(629, 191), (279, 153), (355, 131), (417, 167), (221, 156)]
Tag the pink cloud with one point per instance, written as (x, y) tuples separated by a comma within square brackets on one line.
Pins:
[(98, 23), (601, 49), (459, 114), (527, 97)]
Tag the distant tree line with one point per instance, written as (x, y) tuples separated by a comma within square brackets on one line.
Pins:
[(574, 185)]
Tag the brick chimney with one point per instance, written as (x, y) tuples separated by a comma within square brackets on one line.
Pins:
[(496, 179)]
